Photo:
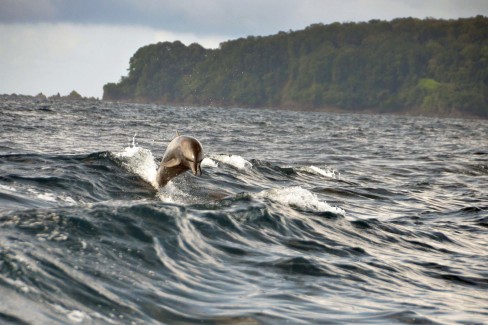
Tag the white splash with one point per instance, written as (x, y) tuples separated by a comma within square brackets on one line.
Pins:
[(76, 316), (46, 197), (208, 162), (139, 161), (170, 193), (50, 197), (232, 160), (319, 171), (68, 199), (8, 188), (299, 197)]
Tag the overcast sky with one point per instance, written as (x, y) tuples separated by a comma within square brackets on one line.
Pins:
[(53, 46)]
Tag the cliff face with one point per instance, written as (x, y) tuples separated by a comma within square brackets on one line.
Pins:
[(432, 66)]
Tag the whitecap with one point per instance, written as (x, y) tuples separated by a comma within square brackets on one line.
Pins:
[(170, 193), (209, 162), (44, 196), (299, 197), (232, 160), (8, 188), (76, 316), (68, 199), (331, 173), (50, 197), (139, 161)]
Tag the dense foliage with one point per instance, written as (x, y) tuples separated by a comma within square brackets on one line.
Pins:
[(430, 66)]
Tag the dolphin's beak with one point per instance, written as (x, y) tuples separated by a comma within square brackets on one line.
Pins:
[(196, 169)]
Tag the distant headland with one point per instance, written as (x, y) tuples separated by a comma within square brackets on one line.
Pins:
[(73, 95), (405, 66)]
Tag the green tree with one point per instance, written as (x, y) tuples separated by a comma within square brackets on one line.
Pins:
[(437, 66)]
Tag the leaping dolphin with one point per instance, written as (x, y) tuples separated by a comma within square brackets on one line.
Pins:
[(183, 153)]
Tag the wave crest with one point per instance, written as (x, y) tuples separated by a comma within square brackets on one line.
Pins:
[(331, 173), (232, 160), (299, 197), (139, 161)]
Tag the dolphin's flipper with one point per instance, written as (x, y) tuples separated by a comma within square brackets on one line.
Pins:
[(172, 162)]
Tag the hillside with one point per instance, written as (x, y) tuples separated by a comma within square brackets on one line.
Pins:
[(435, 67)]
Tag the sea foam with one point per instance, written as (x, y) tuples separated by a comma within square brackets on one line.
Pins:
[(171, 193), (299, 197), (232, 160), (331, 173), (51, 197), (208, 162)]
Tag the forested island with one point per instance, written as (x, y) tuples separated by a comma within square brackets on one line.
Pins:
[(408, 65)]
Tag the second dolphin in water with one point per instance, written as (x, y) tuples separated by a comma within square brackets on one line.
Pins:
[(183, 153)]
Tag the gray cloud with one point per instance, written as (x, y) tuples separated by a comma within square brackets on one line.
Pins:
[(60, 45), (229, 18), (201, 17), (61, 57)]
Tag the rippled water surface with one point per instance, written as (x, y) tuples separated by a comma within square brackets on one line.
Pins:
[(312, 218)]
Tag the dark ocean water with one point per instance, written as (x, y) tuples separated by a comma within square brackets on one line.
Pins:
[(310, 218)]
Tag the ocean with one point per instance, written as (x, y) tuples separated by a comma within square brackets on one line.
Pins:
[(298, 217)]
